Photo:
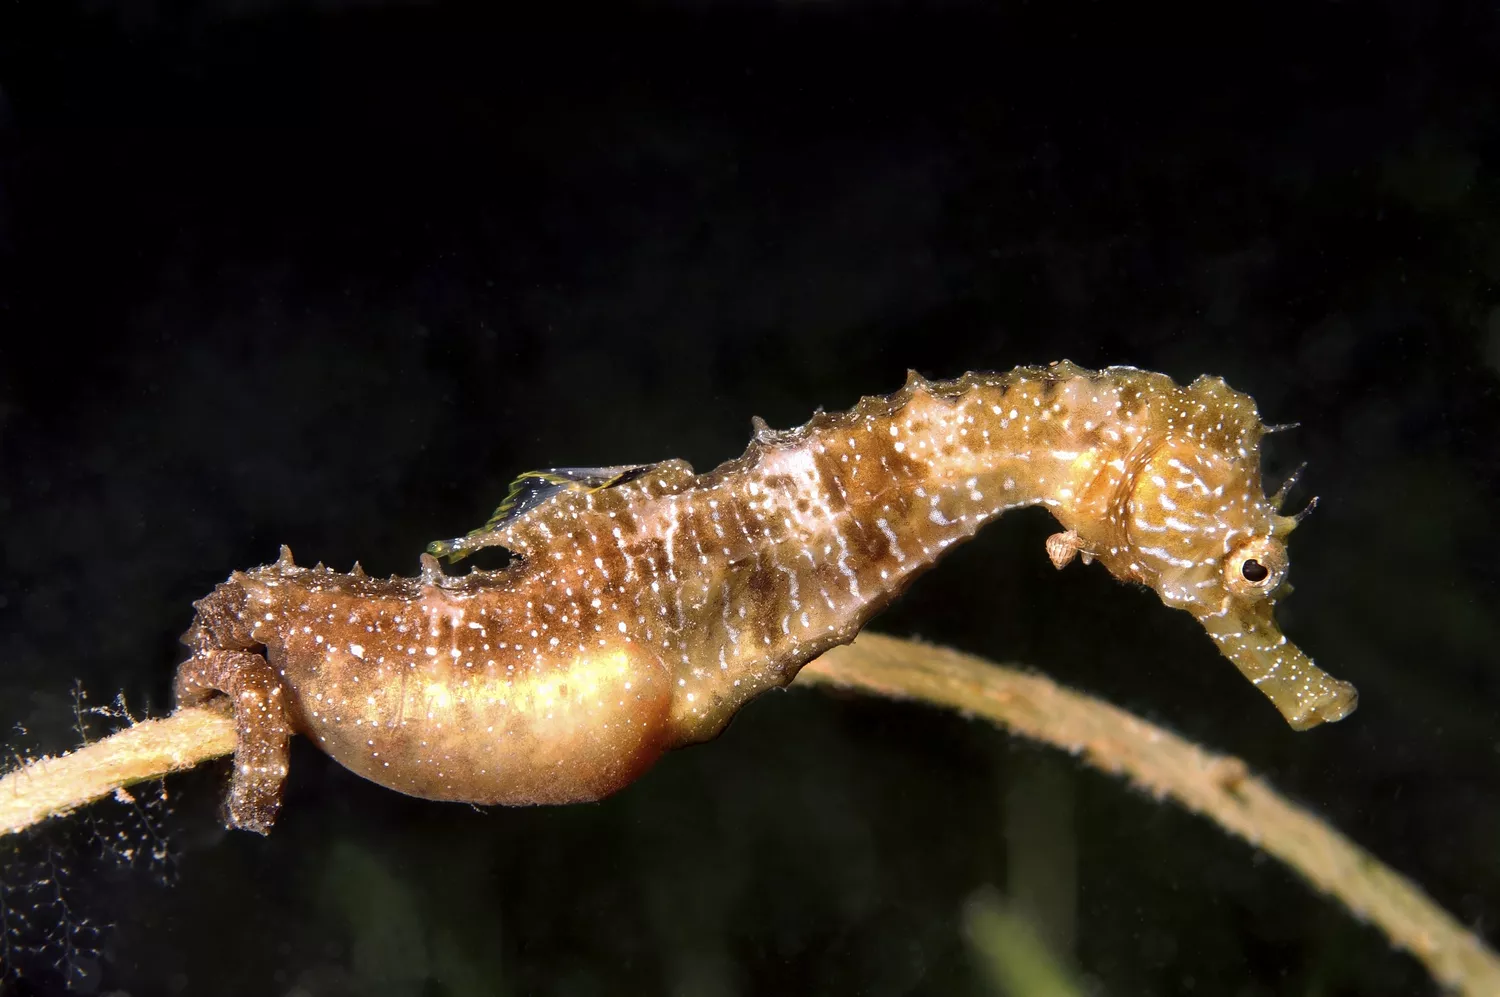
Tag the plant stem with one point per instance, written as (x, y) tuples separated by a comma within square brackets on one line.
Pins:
[(1219, 787)]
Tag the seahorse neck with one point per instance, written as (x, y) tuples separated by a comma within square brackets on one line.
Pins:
[(974, 448)]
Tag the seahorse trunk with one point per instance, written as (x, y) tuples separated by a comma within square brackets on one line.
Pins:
[(795, 546)]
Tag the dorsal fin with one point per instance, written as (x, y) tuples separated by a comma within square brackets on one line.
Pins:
[(432, 571), (528, 491)]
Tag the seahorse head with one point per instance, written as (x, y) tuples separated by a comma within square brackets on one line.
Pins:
[(1202, 532)]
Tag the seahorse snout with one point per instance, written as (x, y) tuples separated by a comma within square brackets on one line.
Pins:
[(1305, 694)]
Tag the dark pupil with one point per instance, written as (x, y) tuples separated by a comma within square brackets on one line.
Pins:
[(1254, 571)]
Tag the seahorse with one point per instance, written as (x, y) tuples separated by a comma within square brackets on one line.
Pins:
[(644, 605)]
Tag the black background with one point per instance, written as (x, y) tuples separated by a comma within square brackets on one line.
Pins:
[(328, 276)]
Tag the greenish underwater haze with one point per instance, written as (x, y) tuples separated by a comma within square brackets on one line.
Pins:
[(331, 276)]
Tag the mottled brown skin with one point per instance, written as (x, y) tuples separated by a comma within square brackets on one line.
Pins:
[(639, 617)]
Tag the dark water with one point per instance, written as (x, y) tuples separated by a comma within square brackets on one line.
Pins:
[(330, 278)]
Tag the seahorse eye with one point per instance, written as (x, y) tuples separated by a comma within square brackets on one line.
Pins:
[(1256, 568)]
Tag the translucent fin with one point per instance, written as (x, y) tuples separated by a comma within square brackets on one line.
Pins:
[(526, 493)]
